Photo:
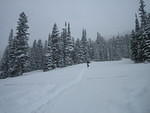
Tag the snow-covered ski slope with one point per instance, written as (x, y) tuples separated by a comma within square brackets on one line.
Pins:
[(105, 87)]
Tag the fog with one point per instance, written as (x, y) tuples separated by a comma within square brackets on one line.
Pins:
[(109, 17)]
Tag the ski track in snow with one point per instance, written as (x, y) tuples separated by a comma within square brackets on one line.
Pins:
[(59, 91), (104, 87)]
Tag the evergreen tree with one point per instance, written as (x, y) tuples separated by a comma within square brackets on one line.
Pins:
[(84, 47), (139, 39), (96, 51), (64, 45), (142, 13), (137, 26), (4, 64), (135, 41), (148, 18), (45, 56), (68, 44), (142, 40), (91, 49), (49, 54), (45, 47), (39, 54), (133, 46), (11, 53), (33, 56), (21, 46), (73, 51), (55, 46), (146, 41), (78, 53), (9, 56), (144, 33), (61, 50), (140, 46)]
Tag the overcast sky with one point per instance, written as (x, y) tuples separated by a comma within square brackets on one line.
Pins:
[(109, 17)]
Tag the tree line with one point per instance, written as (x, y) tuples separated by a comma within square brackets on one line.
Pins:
[(61, 49)]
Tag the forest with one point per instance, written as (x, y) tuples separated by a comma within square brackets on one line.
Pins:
[(61, 49)]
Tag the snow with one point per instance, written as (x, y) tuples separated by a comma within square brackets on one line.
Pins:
[(105, 87)]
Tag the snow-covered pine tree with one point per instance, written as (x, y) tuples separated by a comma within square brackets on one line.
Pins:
[(78, 53), (33, 56), (4, 64), (49, 54), (146, 41), (11, 53), (142, 13), (63, 37), (45, 47), (73, 51), (137, 25), (55, 46), (68, 45), (39, 54), (61, 50), (21, 46), (137, 40), (45, 56), (133, 46), (140, 45), (148, 18), (84, 47), (91, 48), (30, 59), (7, 60), (139, 33)]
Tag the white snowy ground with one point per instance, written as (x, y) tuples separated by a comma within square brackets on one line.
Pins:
[(105, 87)]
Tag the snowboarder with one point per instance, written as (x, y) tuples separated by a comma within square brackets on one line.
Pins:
[(88, 63)]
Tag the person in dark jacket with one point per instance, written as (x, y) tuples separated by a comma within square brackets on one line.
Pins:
[(88, 63)]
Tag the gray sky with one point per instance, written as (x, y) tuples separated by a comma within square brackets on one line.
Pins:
[(109, 17)]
